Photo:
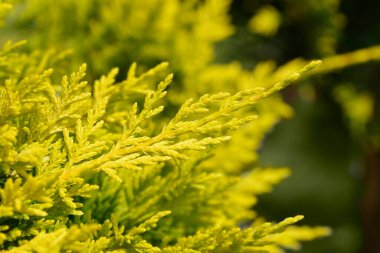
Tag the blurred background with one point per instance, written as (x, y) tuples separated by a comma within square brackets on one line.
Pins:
[(332, 150), (332, 142)]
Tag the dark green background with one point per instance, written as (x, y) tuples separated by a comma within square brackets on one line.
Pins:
[(328, 184)]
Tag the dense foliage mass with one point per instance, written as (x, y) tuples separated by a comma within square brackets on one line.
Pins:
[(114, 163)]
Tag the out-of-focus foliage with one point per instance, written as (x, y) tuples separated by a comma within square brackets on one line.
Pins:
[(266, 21), (326, 152), (357, 106), (119, 32), (322, 22), (316, 143)]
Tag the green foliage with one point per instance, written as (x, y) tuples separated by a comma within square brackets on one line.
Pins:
[(181, 32), (266, 21), (358, 107), (145, 31), (116, 165), (57, 141)]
